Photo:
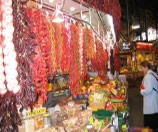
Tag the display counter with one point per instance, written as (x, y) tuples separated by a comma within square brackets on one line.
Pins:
[(133, 74), (94, 109)]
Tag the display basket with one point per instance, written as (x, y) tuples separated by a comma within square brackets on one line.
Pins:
[(103, 114)]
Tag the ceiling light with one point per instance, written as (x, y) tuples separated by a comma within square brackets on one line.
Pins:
[(135, 24), (58, 15), (72, 8), (41, 4), (84, 16), (51, 1)]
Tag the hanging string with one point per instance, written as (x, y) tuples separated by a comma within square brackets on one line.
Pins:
[(90, 17), (81, 11), (98, 28)]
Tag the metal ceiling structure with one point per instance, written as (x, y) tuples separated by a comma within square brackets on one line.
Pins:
[(145, 10), (99, 21)]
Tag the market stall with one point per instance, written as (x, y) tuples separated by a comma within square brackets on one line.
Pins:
[(131, 59), (47, 60)]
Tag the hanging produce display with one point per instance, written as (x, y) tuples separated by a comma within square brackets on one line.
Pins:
[(89, 43), (9, 63), (58, 36), (3, 88), (53, 53), (24, 42), (9, 117), (9, 86), (81, 47), (114, 9), (41, 66), (91, 48), (84, 58), (40, 26), (75, 72), (99, 63), (111, 7), (65, 66), (117, 64)]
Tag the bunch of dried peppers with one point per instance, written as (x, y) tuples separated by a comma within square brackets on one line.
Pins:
[(75, 72), (99, 63), (41, 66)]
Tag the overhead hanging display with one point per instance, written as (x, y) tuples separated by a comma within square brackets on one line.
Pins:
[(35, 52), (111, 7)]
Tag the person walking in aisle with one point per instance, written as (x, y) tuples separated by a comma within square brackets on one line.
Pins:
[(149, 91)]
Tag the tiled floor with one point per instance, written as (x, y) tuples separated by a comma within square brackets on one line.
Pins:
[(135, 102)]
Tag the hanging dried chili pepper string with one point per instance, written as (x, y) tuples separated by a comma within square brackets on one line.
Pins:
[(85, 42), (81, 47), (47, 46), (91, 45), (100, 62), (66, 51), (58, 45), (85, 46), (56, 32), (39, 68), (74, 60), (53, 53), (78, 60), (45, 43), (9, 117), (24, 42)]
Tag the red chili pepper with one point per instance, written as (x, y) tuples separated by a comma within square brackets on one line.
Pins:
[(41, 66)]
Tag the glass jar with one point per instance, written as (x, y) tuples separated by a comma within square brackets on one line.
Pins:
[(47, 120)]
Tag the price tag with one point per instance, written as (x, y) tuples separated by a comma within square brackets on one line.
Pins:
[(36, 112)]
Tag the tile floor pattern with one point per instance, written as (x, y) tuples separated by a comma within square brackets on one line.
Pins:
[(135, 103)]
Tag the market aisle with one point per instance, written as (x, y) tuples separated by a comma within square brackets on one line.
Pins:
[(135, 101)]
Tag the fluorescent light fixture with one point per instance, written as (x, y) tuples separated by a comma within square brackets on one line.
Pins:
[(41, 4), (135, 24), (72, 9), (84, 16), (51, 1), (58, 16)]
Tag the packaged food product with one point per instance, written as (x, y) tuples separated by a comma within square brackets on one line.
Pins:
[(39, 123), (52, 129), (29, 125), (47, 121), (54, 119)]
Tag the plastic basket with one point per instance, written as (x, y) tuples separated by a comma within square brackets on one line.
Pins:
[(103, 114)]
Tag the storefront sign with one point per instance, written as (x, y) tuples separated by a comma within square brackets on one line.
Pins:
[(145, 46)]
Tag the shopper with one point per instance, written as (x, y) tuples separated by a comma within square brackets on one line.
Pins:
[(149, 91)]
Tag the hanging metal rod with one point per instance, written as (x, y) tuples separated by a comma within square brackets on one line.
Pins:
[(87, 5), (101, 19), (51, 8)]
